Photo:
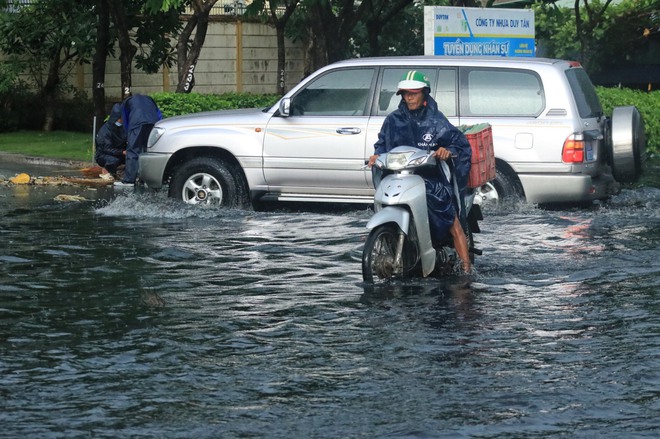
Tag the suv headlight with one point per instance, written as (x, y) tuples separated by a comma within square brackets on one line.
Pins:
[(156, 133)]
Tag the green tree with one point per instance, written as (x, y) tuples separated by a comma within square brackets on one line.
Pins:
[(590, 21), (555, 32), (333, 27), (46, 39), (139, 27), (631, 31), (188, 48), (188, 52), (277, 13), (100, 57), (602, 36)]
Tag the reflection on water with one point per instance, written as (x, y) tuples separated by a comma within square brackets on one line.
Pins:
[(131, 315)]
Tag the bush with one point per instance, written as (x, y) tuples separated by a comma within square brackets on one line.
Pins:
[(22, 110), (76, 114), (648, 104), (12, 91), (175, 104)]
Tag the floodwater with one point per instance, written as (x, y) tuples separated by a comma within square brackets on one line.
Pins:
[(130, 315)]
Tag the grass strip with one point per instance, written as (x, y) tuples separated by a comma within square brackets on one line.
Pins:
[(56, 144)]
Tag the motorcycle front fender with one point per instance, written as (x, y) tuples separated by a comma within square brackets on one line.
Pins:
[(391, 214), (401, 217)]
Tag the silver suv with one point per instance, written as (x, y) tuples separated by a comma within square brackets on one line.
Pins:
[(552, 142)]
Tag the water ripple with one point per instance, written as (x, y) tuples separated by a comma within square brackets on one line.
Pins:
[(137, 316)]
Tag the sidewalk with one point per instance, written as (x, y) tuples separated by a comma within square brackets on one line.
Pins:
[(6, 157)]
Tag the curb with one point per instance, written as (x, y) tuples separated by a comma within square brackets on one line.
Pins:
[(42, 161)]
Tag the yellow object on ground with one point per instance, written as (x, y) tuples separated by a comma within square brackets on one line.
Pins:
[(20, 179)]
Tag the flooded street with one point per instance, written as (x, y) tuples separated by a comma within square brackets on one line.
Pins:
[(131, 315)]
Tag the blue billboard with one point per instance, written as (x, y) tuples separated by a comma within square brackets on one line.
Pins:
[(455, 31)]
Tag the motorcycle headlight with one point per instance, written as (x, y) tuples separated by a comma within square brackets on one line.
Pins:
[(418, 161), (398, 160), (154, 135)]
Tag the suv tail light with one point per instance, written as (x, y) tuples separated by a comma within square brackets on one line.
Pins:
[(573, 150)]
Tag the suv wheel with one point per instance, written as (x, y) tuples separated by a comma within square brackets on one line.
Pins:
[(205, 180), (626, 144), (505, 187)]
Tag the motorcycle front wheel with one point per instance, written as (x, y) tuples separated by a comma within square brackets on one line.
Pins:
[(379, 254)]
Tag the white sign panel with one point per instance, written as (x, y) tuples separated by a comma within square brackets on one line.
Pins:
[(455, 31)]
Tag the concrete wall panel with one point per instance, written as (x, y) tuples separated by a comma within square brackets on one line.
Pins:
[(218, 70)]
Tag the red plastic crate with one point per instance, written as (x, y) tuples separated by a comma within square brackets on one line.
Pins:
[(483, 157)]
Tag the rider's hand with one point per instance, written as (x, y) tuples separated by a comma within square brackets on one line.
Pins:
[(372, 160), (442, 153)]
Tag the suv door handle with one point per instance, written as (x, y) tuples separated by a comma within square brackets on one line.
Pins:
[(349, 130)]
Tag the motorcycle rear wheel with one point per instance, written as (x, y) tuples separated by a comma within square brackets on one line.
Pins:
[(379, 254)]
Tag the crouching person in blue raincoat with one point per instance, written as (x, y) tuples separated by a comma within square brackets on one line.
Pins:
[(111, 143), (418, 122), (139, 114)]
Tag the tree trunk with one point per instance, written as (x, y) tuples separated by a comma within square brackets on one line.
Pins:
[(280, 26), (182, 52), (317, 53), (49, 92), (126, 49), (186, 60), (281, 60), (99, 61)]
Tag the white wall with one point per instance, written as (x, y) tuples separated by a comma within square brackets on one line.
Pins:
[(236, 57)]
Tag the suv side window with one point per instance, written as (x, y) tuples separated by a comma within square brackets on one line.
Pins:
[(443, 89), (342, 92), (445, 92), (584, 93), (498, 92)]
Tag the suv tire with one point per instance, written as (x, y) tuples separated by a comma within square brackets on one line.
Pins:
[(626, 144), (204, 180), (507, 186)]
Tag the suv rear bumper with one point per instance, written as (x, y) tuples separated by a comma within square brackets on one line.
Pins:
[(561, 188), (152, 169)]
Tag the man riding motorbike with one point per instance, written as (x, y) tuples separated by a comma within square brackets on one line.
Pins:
[(418, 122)]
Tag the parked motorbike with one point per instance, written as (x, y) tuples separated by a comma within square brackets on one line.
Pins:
[(399, 244)]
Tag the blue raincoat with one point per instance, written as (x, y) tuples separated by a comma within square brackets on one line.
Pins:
[(140, 113), (111, 142), (427, 128)]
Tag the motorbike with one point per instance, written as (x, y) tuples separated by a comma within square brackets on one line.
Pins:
[(399, 243)]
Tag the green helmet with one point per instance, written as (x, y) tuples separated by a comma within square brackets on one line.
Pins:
[(413, 80)]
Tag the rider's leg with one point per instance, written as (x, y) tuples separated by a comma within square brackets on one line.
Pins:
[(460, 244)]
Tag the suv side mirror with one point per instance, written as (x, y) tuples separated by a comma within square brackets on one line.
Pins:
[(285, 106)]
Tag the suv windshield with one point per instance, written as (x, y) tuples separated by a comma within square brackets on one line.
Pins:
[(584, 93)]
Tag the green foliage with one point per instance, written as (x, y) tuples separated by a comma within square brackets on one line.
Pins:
[(174, 104), (12, 97), (555, 32), (647, 103), (399, 37), (9, 79), (22, 110), (75, 114), (45, 33), (163, 5), (619, 35), (155, 36)]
